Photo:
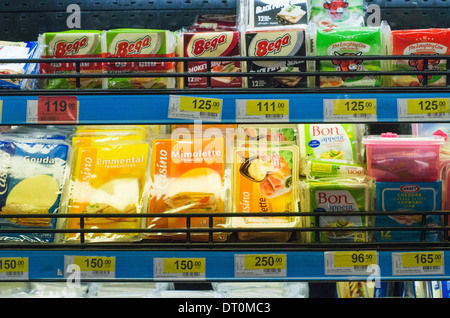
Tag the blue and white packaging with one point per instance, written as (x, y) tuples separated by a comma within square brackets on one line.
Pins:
[(32, 179), (407, 196)]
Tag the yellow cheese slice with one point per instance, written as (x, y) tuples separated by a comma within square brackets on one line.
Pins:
[(37, 191)]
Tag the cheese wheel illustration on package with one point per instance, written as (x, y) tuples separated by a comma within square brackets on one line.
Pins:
[(349, 45), (138, 43), (420, 42), (72, 44), (209, 45), (32, 180), (187, 177), (273, 13), (282, 43)]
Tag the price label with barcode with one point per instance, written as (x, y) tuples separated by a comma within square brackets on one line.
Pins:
[(262, 110), (418, 263), (263, 265), (430, 109), (350, 109), (350, 263), (179, 268), (195, 108), (90, 266), (53, 109), (14, 268)]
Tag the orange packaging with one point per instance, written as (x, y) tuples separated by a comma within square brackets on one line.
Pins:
[(187, 177)]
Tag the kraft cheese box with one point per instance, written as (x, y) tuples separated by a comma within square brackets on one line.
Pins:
[(407, 196)]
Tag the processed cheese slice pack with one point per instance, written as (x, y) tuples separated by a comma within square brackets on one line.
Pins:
[(32, 180), (265, 180), (108, 179), (187, 176)]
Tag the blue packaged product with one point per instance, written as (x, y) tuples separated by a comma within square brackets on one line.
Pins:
[(32, 174), (407, 196)]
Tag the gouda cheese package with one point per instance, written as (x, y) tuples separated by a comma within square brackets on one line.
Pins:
[(32, 178), (265, 180), (108, 179), (187, 177)]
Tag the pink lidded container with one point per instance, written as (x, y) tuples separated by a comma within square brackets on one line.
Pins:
[(392, 157)]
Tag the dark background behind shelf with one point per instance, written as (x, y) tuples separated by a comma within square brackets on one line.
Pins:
[(24, 20)]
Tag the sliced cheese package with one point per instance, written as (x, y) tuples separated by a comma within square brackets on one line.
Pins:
[(337, 195), (265, 180), (187, 176), (138, 43), (269, 133), (32, 179), (108, 178), (71, 44)]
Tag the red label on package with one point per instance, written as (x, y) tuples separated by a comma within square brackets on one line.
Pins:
[(57, 109)]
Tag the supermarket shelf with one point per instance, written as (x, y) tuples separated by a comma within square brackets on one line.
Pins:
[(141, 108), (51, 265)]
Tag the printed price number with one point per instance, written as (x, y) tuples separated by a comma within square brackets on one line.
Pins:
[(58, 109), (422, 259), (198, 104), (95, 263), (428, 105), (15, 264), (355, 106), (265, 262), (267, 107), (184, 265), (350, 259)]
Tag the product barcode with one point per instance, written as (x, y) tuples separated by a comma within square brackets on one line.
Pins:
[(208, 115), (52, 118), (274, 116), (191, 275), (271, 270), (360, 267), (436, 115), (101, 273), (431, 268), (14, 273)]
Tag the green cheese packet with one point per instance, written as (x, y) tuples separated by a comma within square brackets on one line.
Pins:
[(328, 13)]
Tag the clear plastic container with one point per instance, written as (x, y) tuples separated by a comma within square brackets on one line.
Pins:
[(392, 157)]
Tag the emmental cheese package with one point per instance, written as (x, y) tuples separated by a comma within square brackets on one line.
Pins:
[(108, 178), (32, 179), (264, 179), (187, 176)]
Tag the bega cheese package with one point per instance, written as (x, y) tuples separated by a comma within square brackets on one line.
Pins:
[(108, 177), (187, 176), (138, 43), (71, 44), (32, 180), (349, 44)]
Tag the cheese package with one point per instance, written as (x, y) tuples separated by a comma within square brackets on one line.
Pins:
[(281, 42), (408, 196), (108, 179), (33, 176), (269, 133), (420, 42), (349, 44), (138, 43), (336, 195), (71, 44), (18, 50), (331, 142), (337, 13), (209, 45), (187, 176), (265, 180), (270, 13)]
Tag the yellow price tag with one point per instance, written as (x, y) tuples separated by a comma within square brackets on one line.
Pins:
[(355, 106), (428, 105), (267, 107), (13, 264), (184, 265), (252, 262), (419, 259), (350, 259), (95, 263), (199, 104)]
